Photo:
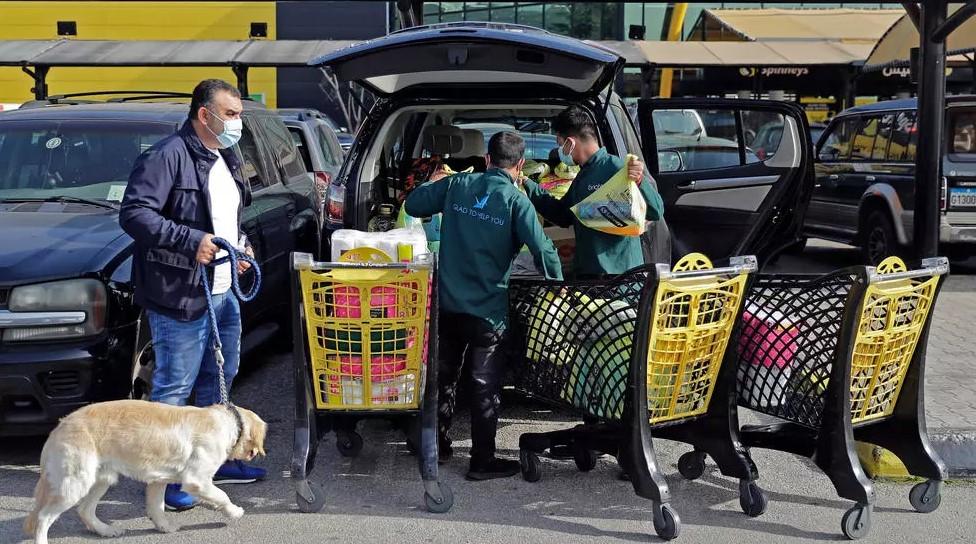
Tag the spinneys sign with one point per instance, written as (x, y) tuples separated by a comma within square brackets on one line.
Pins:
[(774, 71)]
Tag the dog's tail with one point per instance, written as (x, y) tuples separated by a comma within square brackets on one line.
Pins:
[(40, 498)]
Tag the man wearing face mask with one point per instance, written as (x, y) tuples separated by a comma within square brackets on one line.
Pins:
[(597, 254), (183, 192)]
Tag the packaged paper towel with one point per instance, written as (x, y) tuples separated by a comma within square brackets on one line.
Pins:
[(401, 245)]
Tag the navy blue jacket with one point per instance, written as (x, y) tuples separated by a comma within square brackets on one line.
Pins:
[(166, 210)]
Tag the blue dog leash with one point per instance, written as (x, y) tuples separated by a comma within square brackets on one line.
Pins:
[(234, 256)]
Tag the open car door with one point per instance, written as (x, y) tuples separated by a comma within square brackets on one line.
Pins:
[(735, 175)]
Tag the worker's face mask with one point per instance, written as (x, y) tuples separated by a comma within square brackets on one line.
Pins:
[(566, 157), (231, 133)]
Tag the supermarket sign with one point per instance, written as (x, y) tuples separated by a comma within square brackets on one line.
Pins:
[(774, 71)]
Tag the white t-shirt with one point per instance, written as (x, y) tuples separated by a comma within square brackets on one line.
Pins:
[(224, 202)]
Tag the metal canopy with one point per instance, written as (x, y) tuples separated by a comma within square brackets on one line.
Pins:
[(107, 53)]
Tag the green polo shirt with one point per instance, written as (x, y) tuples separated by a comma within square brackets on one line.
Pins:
[(485, 221), (597, 253)]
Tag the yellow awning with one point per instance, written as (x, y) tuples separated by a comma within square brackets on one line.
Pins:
[(827, 24), (902, 36), (750, 54)]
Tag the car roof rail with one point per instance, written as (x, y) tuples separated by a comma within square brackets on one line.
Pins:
[(470, 24)]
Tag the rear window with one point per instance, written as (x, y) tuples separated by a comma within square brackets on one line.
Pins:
[(80, 158), (962, 133)]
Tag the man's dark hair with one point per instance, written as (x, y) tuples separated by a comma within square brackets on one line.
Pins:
[(574, 122), (206, 90), (506, 149)]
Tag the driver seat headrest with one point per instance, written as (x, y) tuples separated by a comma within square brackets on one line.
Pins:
[(474, 144)]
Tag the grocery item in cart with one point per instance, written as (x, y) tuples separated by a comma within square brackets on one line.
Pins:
[(402, 245), (768, 342)]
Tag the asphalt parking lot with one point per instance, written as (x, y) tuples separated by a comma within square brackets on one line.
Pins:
[(377, 497)]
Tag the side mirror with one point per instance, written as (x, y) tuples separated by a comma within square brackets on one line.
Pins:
[(669, 161)]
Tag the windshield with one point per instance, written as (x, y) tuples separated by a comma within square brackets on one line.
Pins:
[(678, 122), (74, 158)]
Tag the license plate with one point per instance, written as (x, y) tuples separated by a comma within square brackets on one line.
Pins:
[(963, 198)]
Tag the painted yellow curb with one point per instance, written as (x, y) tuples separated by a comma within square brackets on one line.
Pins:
[(879, 462)]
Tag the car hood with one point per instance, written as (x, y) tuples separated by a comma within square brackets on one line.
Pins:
[(40, 246), (473, 54)]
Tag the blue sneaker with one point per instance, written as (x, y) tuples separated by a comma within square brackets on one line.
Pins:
[(177, 500), (236, 472)]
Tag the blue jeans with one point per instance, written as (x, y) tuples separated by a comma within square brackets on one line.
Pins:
[(184, 354)]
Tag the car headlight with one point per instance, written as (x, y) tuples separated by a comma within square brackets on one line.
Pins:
[(55, 311)]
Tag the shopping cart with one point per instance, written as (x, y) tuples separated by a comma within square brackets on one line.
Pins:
[(840, 358), (365, 334), (578, 339)]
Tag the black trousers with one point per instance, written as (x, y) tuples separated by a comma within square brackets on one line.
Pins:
[(470, 344)]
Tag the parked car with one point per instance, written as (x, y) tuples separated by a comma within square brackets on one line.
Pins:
[(865, 172), (429, 78), (316, 141), (342, 133), (69, 331)]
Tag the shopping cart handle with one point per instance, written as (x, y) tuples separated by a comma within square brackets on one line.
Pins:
[(935, 266), (737, 265)]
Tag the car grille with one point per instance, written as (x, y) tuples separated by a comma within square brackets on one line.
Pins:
[(62, 383), (4, 295)]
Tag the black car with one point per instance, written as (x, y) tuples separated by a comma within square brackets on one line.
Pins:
[(433, 81), (69, 331), (865, 188)]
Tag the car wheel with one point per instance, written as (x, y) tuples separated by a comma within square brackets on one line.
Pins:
[(879, 240), (142, 371)]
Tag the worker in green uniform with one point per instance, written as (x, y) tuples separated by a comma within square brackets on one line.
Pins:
[(597, 253), (485, 221)]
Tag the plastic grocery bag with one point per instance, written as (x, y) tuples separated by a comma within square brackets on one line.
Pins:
[(617, 207)]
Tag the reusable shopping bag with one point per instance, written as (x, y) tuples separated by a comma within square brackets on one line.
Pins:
[(617, 207)]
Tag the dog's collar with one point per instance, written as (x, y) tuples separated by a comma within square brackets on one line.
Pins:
[(239, 421)]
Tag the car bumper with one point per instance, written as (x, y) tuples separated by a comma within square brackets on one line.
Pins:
[(41, 383)]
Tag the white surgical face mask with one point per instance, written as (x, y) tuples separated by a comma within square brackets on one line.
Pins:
[(233, 128), (566, 157)]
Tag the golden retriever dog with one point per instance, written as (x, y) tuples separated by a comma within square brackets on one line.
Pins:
[(150, 442)]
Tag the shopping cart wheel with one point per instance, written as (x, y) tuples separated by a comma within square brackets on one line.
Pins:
[(667, 524), (926, 496), (349, 443), (447, 500), (310, 497), (531, 470), (585, 459), (691, 465), (857, 522), (752, 499)]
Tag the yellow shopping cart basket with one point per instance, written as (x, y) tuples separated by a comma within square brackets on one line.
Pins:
[(579, 352), (837, 358), (365, 333)]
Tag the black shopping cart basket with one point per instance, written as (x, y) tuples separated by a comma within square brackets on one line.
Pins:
[(365, 336), (578, 339), (840, 358)]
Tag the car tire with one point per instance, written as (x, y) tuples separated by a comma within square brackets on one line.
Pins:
[(878, 239)]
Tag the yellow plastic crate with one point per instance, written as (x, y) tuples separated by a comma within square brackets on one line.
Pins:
[(893, 315), (367, 336), (691, 326)]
